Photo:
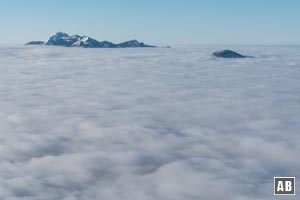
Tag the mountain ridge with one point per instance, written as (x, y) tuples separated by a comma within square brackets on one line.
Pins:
[(63, 39)]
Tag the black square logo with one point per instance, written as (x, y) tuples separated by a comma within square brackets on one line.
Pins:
[(284, 185)]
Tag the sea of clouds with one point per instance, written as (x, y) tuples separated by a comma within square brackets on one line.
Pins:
[(147, 124)]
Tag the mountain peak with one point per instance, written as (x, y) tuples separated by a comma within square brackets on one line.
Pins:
[(133, 43), (61, 34)]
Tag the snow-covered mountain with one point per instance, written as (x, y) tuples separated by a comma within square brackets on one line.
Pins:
[(63, 39)]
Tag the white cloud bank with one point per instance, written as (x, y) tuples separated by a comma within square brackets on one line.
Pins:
[(147, 124)]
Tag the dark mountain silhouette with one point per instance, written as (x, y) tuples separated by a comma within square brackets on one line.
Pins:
[(227, 54)]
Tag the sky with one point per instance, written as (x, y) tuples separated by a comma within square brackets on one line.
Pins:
[(155, 21)]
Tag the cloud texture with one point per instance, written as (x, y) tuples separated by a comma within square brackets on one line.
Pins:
[(147, 124)]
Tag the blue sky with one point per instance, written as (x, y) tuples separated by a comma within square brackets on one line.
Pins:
[(154, 21)]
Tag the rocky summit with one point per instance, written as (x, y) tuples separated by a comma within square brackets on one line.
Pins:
[(227, 54), (63, 39)]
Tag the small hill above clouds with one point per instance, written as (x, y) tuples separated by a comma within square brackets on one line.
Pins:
[(227, 54), (63, 39)]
